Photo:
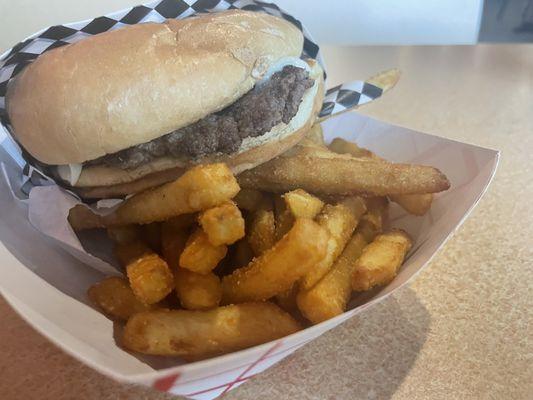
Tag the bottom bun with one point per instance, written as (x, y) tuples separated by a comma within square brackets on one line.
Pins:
[(265, 152), (115, 182)]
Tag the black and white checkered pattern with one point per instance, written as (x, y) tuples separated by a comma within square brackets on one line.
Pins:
[(348, 95), (22, 54), (337, 99)]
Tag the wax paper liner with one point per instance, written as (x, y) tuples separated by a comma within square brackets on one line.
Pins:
[(46, 271)]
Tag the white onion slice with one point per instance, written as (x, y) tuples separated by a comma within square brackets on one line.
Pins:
[(278, 66), (70, 172)]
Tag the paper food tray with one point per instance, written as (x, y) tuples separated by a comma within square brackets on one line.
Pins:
[(47, 286), (46, 271)]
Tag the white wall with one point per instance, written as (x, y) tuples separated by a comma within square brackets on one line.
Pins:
[(389, 21), (331, 21)]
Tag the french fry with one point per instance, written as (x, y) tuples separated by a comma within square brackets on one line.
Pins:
[(196, 291), (329, 297), (287, 300), (377, 212), (316, 135), (200, 255), (367, 228), (416, 204), (124, 234), (261, 231), (198, 189), (114, 297), (344, 176), (340, 221), (355, 204), (252, 200), (173, 239), (341, 146), (150, 278), (279, 267), (380, 260), (125, 253), (307, 148), (198, 334), (223, 224), (302, 204), (283, 218), (151, 234)]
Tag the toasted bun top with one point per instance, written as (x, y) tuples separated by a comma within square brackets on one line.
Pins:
[(129, 86)]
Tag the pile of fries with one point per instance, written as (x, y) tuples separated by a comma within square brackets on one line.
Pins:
[(216, 263)]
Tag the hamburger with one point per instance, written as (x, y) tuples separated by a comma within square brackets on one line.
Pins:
[(132, 108)]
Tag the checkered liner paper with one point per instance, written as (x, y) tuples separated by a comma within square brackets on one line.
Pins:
[(338, 99)]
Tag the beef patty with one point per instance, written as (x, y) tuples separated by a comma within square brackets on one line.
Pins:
[(254, 114)]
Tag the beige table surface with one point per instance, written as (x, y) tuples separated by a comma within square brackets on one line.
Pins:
[(462, 330)]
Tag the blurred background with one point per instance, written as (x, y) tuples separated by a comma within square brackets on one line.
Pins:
[(333, 22)]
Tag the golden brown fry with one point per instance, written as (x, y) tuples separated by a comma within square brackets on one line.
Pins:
[(287, 300), (198, 189), (416, 204), (196, 291), (373, 221), (173, 241), (151, 235), (150, 278), (367, 227), (306, 147), (124, 234), (355, 204), (115, 298), (200, 255), (125, 253), (316, 135), (242, 253), (343, 176), (223, 224), (329, 297), (380, 260), (199, 334), (278, 268), (283, 218), (377, 212), (252, 200), (261, 231), (340, 221), (302, 204), (341, 146)]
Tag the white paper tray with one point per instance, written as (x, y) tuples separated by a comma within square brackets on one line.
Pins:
[(47, 285)]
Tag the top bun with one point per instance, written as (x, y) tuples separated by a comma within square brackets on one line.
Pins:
[(129, 86)]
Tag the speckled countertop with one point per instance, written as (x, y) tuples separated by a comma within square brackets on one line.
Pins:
[(462, 330)]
